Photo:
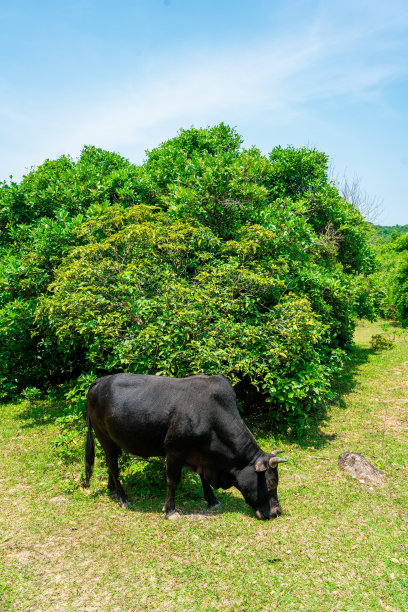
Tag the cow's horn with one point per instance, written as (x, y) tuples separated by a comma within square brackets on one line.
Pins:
[(276, 452), (273, 461)]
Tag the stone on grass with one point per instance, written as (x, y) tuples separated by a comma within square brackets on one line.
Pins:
[(359, 467)]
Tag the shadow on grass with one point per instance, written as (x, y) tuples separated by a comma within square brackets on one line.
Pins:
[(188, 502), (346, 381), (41, 412), (264, 423), (146, 491)]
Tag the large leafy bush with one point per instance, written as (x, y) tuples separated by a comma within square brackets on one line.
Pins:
[(391, 277), (206, 258)]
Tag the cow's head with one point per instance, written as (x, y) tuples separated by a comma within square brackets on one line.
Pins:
[(258, 484)]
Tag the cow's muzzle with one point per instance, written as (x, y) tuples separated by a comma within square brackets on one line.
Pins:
[(273, 513)]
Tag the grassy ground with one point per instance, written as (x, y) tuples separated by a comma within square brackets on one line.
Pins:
[(339, 545)]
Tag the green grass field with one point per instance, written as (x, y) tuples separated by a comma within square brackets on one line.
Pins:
[(339, 545)]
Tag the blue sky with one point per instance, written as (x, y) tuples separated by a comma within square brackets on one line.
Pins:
[(126, 75)]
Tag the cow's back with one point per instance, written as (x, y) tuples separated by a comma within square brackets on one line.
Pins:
[(143, 414)]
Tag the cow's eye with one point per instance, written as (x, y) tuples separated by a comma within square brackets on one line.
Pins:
[(271, 483)]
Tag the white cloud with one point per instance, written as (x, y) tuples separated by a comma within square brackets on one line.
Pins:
[(277, 77), (282, 78)]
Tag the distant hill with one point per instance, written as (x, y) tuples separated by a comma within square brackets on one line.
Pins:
[(387, 232)]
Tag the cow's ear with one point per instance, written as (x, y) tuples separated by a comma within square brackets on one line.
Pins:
[(261, 465)]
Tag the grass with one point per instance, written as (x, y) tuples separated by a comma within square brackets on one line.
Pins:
[(339, 545)]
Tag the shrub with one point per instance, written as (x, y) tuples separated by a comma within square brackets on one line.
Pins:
[(379, 342), (206, 258)]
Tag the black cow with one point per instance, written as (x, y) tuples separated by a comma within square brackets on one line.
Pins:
[(193, 422)]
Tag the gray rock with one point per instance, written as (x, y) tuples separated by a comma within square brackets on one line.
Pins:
[(359, 467)]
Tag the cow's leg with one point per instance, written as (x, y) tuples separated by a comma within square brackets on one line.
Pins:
[(210, 498), (114, 483), (174, 465), (112, 451), (111, 484)]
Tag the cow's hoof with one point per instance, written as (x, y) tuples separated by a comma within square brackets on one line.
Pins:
[(216, 506), (173, 516)]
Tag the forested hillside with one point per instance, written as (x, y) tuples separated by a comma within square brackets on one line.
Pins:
[(206, 258), (388, 232)]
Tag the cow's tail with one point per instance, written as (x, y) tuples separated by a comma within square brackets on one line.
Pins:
[(89, 454)]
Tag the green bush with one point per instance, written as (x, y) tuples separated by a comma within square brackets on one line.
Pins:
[(379, 342), (400, 280), (206, 258), (392, 277)]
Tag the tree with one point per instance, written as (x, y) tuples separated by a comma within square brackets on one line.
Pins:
[(370, 207)]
